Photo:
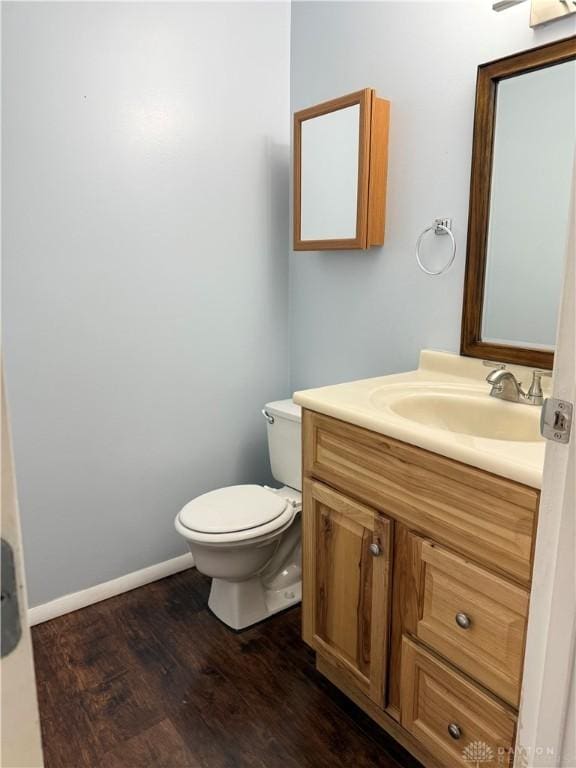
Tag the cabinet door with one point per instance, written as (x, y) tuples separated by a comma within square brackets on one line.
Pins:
[(346, 557)]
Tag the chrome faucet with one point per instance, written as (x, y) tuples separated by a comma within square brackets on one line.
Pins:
[(506, 386)]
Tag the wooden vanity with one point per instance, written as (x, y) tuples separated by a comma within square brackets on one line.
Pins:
[(416, 588)]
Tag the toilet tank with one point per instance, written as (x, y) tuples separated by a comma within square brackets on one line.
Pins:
[(285, 442)]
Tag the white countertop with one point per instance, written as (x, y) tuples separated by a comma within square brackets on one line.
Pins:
[(369, 403)]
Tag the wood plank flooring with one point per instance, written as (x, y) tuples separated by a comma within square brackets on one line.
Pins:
[(151, 679)]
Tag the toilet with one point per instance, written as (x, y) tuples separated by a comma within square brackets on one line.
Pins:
[(247, 537)]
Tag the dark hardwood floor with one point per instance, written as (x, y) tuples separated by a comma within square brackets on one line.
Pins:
[(151, 678)]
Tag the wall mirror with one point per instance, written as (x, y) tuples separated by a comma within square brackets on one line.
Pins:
[(520, 196), (340, 168)]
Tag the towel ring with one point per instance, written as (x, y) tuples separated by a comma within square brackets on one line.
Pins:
[(440, 227)]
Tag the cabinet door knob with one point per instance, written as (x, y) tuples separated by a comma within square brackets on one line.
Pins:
[(375, 549), (462, 620), (454, 731)]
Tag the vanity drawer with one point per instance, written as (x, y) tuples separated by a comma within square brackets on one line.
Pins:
[(455, 720), (474, 618), (484, 516)]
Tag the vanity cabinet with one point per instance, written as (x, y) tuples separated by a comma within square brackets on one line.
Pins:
[(417, 576)]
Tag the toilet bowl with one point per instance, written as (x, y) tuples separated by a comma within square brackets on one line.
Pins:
[(247, 537)]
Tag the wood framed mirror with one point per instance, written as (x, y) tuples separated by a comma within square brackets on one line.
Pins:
[(340, 169), (520, 192)]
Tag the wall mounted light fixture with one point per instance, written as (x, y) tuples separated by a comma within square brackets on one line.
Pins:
[(541, 11), (502, 5), (544, 11)]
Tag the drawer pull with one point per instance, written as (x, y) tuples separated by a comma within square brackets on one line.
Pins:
[(454, 731), (375, 549), (463, 621)]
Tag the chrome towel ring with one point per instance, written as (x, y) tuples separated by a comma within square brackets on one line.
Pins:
[(440, 227)]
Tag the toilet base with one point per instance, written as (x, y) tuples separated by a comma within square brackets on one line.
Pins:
[(239, 604)]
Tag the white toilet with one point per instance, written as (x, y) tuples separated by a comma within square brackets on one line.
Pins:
[(247, 537)]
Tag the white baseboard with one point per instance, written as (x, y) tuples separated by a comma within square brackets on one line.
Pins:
[(76, 600)]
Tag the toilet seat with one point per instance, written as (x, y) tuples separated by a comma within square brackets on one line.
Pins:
[(235, 514)]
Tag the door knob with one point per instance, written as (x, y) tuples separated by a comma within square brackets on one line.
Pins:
[(375, 549)]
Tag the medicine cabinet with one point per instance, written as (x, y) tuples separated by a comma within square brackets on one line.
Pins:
[(340, 169)]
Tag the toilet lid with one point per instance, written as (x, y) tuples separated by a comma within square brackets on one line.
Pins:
[(236, 508)]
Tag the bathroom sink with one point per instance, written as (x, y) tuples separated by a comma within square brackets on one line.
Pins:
[(467, 412), (444, 407)]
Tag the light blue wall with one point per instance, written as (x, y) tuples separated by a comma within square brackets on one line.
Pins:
[(145, 191), (145, 208), (365, 313)]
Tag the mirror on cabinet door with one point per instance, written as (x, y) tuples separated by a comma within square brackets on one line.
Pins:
[(520, 204), (340, 168)]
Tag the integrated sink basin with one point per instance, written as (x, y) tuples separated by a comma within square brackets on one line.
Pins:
[(445, 407), (465, 413)]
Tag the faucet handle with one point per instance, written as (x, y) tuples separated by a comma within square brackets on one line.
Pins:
[(535, 394), (537, 374)]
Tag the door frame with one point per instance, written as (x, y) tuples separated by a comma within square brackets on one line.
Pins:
[(21, 743), (547, 703)]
